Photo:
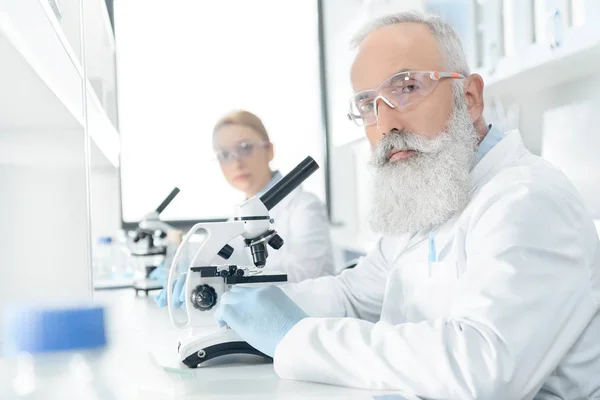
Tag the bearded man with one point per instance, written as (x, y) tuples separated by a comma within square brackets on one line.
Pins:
[(486, 283)]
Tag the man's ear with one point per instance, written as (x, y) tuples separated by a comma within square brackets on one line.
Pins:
[(474, 96)]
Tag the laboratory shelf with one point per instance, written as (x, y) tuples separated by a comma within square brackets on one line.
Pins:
[(97, 23), (541, 67), (41, 85), (42, 78), (102, 132)]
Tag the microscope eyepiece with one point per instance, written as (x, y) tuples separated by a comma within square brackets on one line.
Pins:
[(289, 182), (167, 200)]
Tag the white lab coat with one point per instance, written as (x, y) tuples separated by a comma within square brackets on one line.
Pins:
[(510, 310), (301, 221)]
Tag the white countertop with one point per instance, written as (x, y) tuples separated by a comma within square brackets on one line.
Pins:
[(140, 333)]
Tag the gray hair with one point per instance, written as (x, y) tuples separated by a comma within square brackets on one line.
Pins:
[(450, 43)]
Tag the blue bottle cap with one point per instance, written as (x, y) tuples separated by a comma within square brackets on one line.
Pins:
[(37, 330), (104, 240)]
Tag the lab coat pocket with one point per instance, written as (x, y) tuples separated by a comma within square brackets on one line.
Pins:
[(431, 295)]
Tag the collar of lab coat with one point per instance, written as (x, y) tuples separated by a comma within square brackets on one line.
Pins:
[(491, 139), (506, 152), (276, 177)]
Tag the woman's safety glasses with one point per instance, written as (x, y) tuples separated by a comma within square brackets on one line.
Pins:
[(241, 151), (398, 91)]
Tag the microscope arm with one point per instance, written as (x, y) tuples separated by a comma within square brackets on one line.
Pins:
[(152, 222), (218, 235), (154, 225)]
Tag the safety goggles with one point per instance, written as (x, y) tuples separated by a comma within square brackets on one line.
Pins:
[(241, 151), (398, 91)]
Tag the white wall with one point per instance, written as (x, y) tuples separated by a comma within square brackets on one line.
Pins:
[(38, 203), (533, 106), (580, 136), (43, 209)]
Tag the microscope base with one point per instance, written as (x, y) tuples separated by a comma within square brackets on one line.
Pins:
[(196, 350)]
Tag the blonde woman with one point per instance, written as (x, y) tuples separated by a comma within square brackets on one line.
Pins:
[(244, 152)]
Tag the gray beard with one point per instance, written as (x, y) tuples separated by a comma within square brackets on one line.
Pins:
[(431, 186)]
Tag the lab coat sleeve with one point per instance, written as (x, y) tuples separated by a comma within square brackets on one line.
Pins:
[(522, 302), (306, 252), (356, 292)]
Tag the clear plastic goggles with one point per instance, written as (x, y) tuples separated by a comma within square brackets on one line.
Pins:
[(398, 91), (241, 151)]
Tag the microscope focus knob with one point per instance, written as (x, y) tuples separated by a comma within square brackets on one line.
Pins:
[(226, 252), (276, 242), (204, 297)]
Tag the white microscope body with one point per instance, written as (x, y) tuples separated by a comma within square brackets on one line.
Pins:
[(206, 283)]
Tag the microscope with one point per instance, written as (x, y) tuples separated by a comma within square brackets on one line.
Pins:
[(206, 282), (150, 231)]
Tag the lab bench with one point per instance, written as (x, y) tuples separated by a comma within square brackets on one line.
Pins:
[(142, 342)]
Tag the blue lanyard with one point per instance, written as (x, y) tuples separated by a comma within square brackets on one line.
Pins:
[(432, 253)]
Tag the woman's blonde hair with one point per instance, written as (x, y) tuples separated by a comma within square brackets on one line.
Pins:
[(244, 118)]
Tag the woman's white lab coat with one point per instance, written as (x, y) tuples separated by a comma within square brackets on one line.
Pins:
[(508, 311), (301, 221)]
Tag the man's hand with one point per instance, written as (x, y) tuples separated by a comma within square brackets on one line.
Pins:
[(261, 316)]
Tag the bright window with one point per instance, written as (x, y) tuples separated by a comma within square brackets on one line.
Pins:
[(181, 65)]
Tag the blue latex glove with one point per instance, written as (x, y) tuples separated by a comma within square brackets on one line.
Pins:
[(261, 316), (160, 274), (178, 293)]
